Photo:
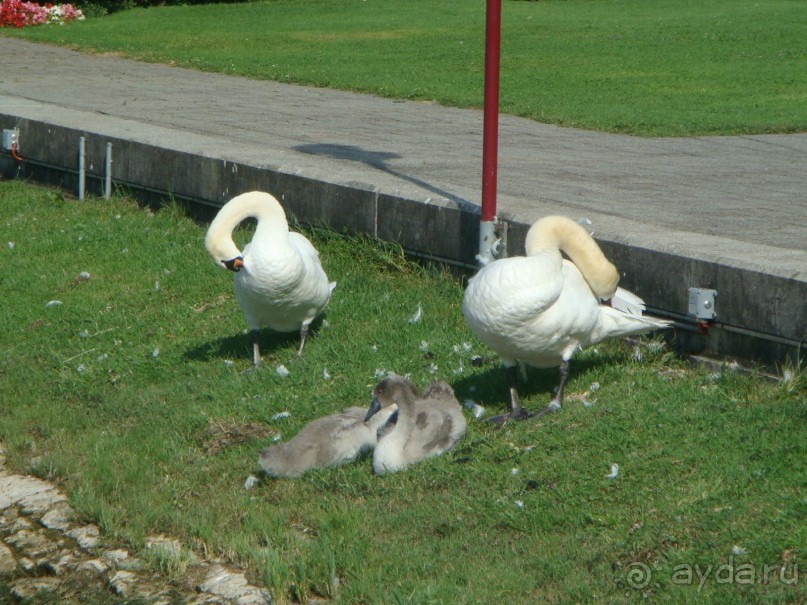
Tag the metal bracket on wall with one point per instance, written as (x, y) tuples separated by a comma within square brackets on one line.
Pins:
[(500, 229), (11, 139), (702, 304)]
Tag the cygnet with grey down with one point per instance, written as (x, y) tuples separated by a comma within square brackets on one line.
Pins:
[(328, 441), (428, 424)]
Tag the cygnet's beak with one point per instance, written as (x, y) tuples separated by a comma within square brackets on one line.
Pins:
[(235, 264), (374, 407)]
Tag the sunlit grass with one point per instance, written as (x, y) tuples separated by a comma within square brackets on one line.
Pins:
[(123, 392), (667, 67)]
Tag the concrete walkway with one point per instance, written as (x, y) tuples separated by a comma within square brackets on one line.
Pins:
[(733, 202)]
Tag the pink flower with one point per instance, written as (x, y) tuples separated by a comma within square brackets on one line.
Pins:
[(17, 13)]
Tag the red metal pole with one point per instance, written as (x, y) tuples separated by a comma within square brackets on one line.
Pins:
[(490, 134)]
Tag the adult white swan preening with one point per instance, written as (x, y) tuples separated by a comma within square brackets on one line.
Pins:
[(279, 281), (328, 441), (539, 309), (427, 424)]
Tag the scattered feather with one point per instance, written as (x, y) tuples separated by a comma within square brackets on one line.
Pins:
[(251, 482), (82, 369), (424, 346), (374, 348), (281, 416), (614, 471), (380, 373), (325, 374), (466, 347), (84, 334), (433, 368), (156, 352), (101, 357), (520, 503), (477, 410), (53, 303), (10, 245), (514, 471), (157, 286), (228, 363), (416, 317), (738, 551), (587, 403), (282, 371), (84, 275), (326, 323), (125, 251)]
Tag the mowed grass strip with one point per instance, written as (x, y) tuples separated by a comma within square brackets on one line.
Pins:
[(662, 68), (130, 394)]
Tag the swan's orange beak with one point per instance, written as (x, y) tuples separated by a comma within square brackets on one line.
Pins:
[(235, 264)]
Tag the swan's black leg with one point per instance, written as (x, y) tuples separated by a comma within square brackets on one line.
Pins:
[(303, 334), (256, 348), (557, 401), (517, 411)]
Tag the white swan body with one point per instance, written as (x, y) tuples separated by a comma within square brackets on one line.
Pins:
[(328, 441), (279, 281), (539, 309), (427, 425)]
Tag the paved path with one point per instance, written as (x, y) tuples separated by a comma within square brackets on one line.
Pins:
[(741, 201)]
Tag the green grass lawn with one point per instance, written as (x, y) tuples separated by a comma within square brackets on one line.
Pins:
[(666, 67), (130, 394)]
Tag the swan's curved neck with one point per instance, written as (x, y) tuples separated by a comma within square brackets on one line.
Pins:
[(553, 233), (258, 205)]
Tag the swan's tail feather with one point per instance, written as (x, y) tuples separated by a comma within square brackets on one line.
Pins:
[(614, 323), (627, 302)]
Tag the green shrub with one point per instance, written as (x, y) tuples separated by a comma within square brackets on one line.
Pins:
[(103, 7)]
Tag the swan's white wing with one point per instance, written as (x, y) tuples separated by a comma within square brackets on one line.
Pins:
[(512, 291), (303, 246)]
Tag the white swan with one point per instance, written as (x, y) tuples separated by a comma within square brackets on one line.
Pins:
[(279, 281), (328, 441), (427, 424), (539, 309)]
